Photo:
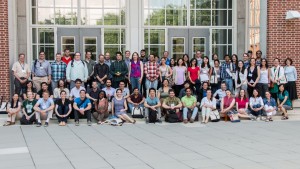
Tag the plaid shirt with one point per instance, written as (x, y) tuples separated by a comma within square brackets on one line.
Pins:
[(58, 71), (224, 73), (151, 69)]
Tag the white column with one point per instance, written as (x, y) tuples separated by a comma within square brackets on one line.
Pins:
[(134, 19)]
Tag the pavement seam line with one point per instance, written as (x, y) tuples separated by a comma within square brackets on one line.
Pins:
[(27, 146)]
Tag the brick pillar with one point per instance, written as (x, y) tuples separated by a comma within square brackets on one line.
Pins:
[(283, 36), (4, 57)]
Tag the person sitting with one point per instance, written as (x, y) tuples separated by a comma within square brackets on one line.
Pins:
[(44, 107), (153, 103), (256, 105), (63, 108), (119, 106), (110, 91), (13, 109), (82, 106), (28, 111), (182, 91), (172, 105), (189, 104), (75, 91), (202, 91), (135, 100), (29, 88), (61, 86), (220, 94), (207, 105), (125, 90), (283, 101), (163, 92), (242, 105), (45, 87), (269, 106), (101, 107), (227, 104), (93, 95)]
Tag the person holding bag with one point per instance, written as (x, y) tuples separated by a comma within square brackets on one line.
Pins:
[(277, 77)]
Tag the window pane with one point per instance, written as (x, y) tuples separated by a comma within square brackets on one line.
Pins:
[(230, 4), (49, 37), (229, 17), (111, 17), (203, 18), (111, 36), (92, 3), (157, 50), (111, 4), (45, 16), (33, 2), (46, 3), (90, 40), (178, 41), (219, 36), (34, 16), (219, 18), (49, 51), (219, 4), (229, 36), (91, 48), (200, 48), (123, 17), (221, 50), (157, 17), (203, 4), (146, 37), (199, 41), (178, 4), (34, 37), (91, 17), (112, 49), (157, 4), (123, 40), (34, 51), (63, 3), (70, 47), (176, 17), (157, 37), (64, 16)]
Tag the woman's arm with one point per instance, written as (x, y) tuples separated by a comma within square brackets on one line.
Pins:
[(55, 110), (295, 73), (125, 105), (170, 71), (189, 77), (112, 108), (160, 76), (70, 110), (258, 76)]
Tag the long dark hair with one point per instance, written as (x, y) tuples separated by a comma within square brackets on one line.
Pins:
[(244, 98), (102, 91), (267, 66), (240, 70), (188, 61), (182, 62), (12, 102), (62, 81), (191, 62), (237, 60), (29, 81), (203, 64)]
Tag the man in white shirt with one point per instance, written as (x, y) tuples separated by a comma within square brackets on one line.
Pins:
[(76, 69), (220, 93), (76, 90), (21, 72)]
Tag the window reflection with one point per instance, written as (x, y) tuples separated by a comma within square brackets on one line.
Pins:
[(254, 26)]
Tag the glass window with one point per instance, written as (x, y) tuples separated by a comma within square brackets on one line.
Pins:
[(199, 44), (254, 26), (114, 41), (90, 45), (43, 40), (68, 42), (222, 42), (165, 12), (178, 47), (154, 41)]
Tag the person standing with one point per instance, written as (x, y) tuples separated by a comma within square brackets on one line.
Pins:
[(21, 72), (108, 62), (118, 70), (246, 60), (166, 57), (241, 78), (253, 76), (151, 70), (226, 75), (198, 57), (101, 72), (136, 71), (41, 71), (179, 76), (215, 76), (291, 77), (76, 69), (264, 80), (144, 59), (277, 77), (58, 69), (90, 66), (66, 58)]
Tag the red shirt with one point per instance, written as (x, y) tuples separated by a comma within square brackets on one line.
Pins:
[(241, 103), (64, 59), (194, 73), (227, 101)]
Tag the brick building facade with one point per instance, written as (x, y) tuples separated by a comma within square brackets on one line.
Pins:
[(4, 50), (278, 37)]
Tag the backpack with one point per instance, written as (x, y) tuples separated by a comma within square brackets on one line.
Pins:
[(137, 112), (72, 63), (152, 116), (172, 117)]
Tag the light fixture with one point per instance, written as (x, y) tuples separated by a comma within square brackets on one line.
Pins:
[(292, 15)]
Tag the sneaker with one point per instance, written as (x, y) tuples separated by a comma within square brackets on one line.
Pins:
[(38, 124), (46, 124), (89, 123), (146, 120), (185, 121), (191, 120), (159, 121), (76, 123)]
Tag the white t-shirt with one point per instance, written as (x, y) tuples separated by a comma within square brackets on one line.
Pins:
[(75, 92)]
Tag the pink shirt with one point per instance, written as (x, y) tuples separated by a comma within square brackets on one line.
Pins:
[(241, 102)]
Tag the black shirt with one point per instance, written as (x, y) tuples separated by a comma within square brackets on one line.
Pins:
[(101, 70), (40, 93), (59, 102), (94, 95)]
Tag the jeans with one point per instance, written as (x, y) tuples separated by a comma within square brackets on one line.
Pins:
[(194, 113), (62, 110), (229, 84), (150, 84), (135, 83), (256, 113), (87, 113), (130, 105), (158, 113)]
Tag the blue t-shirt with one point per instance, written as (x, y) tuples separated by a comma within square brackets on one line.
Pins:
[(83, 105), (152, 102), (45, 104)]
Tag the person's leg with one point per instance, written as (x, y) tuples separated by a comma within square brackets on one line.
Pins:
[(36, 83), (76, 115), (88, 115), (127, 118), (185, 111), (17, 86), (203, 112), (38, 117), (195, 113), (242, 113), (143, 85), (155, 83), (23, 120), (13, 118), (66, 110), (49, 115), (158, 113), (96, 115), (53, 85), (60, 111), (146, 112), (208, 110), (229, 84), (130, 105)]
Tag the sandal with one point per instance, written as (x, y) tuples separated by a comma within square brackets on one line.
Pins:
[(283, 118), (134, 121), (7, 123), (271, 119)]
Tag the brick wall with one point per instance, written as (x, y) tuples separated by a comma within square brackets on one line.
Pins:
[(4, 57), (283, 36)]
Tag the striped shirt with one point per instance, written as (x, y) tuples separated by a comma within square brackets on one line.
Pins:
[(224, 72)]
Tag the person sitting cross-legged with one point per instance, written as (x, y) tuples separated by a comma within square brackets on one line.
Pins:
[(101, 107), (208, 104), (172, 104), (82, 106), (227, 104), (63, 108), (28, 111), (153, 103), (135, 100), (189, 104), (44, 107)]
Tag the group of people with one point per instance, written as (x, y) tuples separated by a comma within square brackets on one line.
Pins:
[(176, 90)]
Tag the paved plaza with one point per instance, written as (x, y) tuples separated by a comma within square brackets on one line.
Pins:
[(142, 146)]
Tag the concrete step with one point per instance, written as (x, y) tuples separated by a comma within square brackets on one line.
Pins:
[(296, 103)]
